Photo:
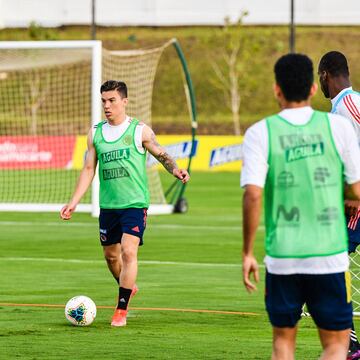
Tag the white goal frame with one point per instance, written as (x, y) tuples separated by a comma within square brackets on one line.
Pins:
[(96, 112)]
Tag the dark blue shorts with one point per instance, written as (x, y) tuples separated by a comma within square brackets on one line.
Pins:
[(328, 299), (113, 223), (353, 228)]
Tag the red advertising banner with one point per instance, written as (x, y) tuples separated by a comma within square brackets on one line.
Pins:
[(36, 152)]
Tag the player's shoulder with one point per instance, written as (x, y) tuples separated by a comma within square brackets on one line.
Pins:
[(138, 122), (99, 124), (256, 129), (349, 106), (351, 101)]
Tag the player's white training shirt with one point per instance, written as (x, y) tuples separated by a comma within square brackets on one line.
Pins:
[(348, 106), (114, 132), (255, 168)]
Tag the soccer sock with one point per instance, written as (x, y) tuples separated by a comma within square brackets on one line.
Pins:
[(353, 336), (124, 297)]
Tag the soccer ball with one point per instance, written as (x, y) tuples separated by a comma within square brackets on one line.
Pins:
[(80, 310)]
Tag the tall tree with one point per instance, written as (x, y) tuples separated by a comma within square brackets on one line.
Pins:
[(233, 51)]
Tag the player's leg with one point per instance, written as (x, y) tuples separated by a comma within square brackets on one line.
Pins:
[(112, 254), (354, 240), (329, 303), (284, 302), (110, 238), (284, 340), (335, 344), (133, 226), (129, 246)]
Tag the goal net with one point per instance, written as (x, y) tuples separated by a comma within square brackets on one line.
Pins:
[(49, 98), (355, 280)]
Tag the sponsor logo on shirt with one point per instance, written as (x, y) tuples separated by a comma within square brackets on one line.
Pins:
[(291, 217), (322, 176), (304, 151), (328, 215), (109, 174), (119, 154), (301, 146), (286, 180), (128, 140)]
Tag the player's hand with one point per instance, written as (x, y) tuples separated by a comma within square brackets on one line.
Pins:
[(250, 266), (181, 174), (352, 207), (67, 211)]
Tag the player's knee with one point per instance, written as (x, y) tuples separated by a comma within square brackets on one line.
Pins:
[(128, 255), (111, 259)]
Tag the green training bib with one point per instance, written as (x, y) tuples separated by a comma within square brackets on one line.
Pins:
[(304, 195), (122, 171)]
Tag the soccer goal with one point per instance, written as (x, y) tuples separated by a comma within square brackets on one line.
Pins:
[(49, 98)]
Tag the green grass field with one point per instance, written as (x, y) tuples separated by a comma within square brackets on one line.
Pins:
[(189, 262)]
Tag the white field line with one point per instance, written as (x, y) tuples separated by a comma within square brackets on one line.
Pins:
[(155, 226), (142, 262)]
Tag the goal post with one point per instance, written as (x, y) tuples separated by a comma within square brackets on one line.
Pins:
[(49, 98)]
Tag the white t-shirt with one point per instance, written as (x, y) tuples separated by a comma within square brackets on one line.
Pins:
[(113, 132), (255, 168), (349, 106)]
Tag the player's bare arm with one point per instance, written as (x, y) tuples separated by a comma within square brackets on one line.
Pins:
[(84, 181), (155, 149), (251, 216), (352, 202)]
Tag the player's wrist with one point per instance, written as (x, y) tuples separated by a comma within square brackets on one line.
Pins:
[(247, 253)]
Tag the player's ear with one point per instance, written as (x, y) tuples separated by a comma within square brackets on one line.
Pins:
[(277, 91), (313, 89), (125, 101)]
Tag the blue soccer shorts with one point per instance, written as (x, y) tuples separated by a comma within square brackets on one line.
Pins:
[(113, 223), (327, 296), (353, 228)]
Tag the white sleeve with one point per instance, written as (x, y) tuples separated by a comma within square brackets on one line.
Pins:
[(255, 155), (350, 108), (138, 137), (347, 146)]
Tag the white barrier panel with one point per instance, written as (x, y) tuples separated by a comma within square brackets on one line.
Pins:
[(174, 12)]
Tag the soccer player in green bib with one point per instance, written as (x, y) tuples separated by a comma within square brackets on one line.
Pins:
[(120, 146), (298, 159)]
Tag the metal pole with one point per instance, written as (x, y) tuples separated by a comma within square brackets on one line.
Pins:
[(292, 28), (93, 20)]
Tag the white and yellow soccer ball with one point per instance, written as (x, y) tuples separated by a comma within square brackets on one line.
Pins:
[(80, 310)]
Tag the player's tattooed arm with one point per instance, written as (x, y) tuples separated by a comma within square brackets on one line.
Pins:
[(163, 157), (151, 144)]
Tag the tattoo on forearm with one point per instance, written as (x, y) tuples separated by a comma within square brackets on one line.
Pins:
[(164, 158), (167, 161)]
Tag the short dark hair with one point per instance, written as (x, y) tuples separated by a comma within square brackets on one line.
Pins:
[(335, 63), (111, 85), (294, 74)]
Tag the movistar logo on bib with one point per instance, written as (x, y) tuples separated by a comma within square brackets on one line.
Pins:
[(119, 154), (301, 146)]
